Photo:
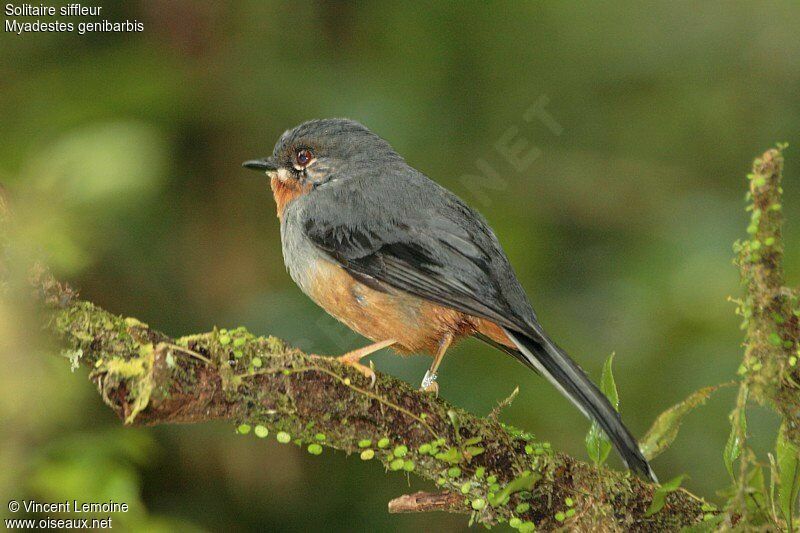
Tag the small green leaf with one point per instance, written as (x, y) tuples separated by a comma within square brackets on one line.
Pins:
[(708, 525), (660, 494), (597, 444), (366, 455), (474, 451), (526, 481), (478, 504), (452, 456), (665, 428), (733, 448), (788, 457), (314, 449), (453, 416)]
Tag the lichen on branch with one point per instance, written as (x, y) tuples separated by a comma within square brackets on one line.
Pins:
[(770, 310), (480, 466)]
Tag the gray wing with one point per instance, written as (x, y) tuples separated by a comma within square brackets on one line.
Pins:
[(406, 231), (415, 236)]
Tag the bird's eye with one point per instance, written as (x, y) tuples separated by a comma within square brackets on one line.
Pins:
[(303, 157)]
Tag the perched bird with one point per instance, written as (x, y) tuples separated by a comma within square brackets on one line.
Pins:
[(407, 264)]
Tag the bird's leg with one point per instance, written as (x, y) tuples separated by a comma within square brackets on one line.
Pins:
[(429, 381), (353, 358)]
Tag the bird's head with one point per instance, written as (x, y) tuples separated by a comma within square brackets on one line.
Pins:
[(323, 151)]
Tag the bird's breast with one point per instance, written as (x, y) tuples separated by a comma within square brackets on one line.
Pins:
[(379, 314)]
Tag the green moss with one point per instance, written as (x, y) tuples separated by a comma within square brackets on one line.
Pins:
[(284, 410), (125, 368), (366, 455), (526, 527), (314, 449)]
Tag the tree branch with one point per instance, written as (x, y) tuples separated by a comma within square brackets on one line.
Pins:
[(770, 374), (483, 467), (422, 502)]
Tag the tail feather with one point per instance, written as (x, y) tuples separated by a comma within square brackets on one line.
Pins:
[(540, 353)]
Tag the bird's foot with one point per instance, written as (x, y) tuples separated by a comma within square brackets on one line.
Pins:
[(429, 383), (352, 359)]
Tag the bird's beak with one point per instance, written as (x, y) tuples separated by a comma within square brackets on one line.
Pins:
[(262, 165)]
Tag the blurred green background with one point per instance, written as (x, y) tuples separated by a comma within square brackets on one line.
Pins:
[(122, 153)]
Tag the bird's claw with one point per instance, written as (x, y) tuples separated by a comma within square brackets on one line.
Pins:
[(429, 383), (366, 371)]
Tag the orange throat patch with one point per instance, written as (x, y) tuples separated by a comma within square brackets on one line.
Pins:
[(285, 191)]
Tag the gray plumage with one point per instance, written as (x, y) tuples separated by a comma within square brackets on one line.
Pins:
[(385, 222)]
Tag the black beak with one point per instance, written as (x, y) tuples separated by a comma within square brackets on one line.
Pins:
[(265, 165)]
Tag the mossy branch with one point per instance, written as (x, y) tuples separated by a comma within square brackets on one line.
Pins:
[(770, 309), (496, 473)]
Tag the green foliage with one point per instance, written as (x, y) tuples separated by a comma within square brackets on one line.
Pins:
[(67, 468), (788, 459), (733, 447), (710, 523), (597, 444), (665, 428), (526, 481), (660, 494)]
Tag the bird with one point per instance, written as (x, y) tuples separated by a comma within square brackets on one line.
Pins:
[(404, 262)]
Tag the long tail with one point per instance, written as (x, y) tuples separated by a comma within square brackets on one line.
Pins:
[(541, 354)]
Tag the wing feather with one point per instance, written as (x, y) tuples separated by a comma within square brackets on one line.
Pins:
[(437, 254)]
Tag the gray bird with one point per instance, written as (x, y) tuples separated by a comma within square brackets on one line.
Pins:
[(407, 264)]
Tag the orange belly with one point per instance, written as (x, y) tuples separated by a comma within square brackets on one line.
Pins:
[(416, 325)]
